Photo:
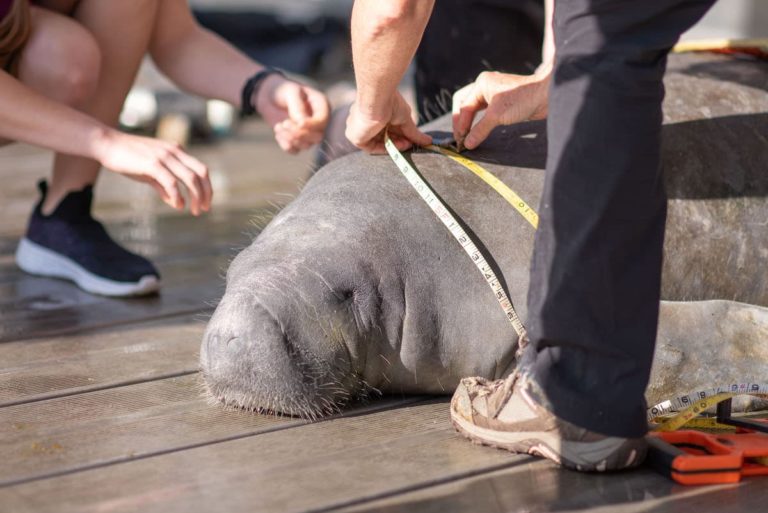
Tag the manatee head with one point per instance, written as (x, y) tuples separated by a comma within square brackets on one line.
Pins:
[(277, 341), (311, 305)]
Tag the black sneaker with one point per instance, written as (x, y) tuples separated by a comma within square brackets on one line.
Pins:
[(72, 245)]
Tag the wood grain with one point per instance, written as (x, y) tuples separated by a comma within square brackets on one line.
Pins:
[(541, 486), (109, 426), (35, 307), (308, 467), (32, 370)]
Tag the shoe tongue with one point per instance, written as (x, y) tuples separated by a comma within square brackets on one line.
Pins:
[(76, 206)]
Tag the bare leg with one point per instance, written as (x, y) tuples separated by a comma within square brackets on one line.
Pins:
[(61, 59), (122, 32)]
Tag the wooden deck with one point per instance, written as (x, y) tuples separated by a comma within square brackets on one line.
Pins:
[(101, 410)]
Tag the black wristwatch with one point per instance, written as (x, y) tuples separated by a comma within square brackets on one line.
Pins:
[(252, 86)]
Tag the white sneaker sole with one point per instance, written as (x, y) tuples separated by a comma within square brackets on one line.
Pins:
[(589, 456), (35, 259)]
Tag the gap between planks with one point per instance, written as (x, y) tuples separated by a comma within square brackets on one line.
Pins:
[(97, 429), (311, 466), (99, 359)]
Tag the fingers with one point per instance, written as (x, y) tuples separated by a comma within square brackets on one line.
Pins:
[(191, 181), (295, 99), (460, 123), (414, 135), (168, 187), (173, 165), (285, 138), (162, 193), (193, 172), (292, 138), (402, 124), (319, 107), (481, 130), (467, 102), (401, 143), (361, 131), (368, 134), (202, 174), (163, 165), (298, 116)]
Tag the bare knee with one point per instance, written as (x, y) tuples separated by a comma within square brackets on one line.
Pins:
[(62, 59), (78, 75)]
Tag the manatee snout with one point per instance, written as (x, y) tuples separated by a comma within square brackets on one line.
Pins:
[(259, 354)]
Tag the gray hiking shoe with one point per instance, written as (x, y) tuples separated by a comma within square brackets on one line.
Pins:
[(507, 415)]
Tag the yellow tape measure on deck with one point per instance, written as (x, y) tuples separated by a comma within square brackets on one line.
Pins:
[(461, 236), (685, 410)]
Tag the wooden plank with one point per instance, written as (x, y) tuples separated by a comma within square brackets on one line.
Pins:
[(35, 307), (540, 486), (308, 467), (33, 370), (408, 458), (7, 245), (105, 427)]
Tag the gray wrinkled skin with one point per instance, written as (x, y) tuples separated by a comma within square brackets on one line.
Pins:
[(356, 286)]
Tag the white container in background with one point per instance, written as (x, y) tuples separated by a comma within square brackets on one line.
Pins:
[(732, 19)]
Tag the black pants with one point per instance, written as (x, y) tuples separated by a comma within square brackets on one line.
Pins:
[(596, 272)]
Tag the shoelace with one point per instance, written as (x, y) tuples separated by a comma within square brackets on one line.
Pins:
[(505, 385)]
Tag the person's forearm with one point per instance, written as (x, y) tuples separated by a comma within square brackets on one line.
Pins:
[(385, 35), (548, 48), (27, 116), (203, 64)]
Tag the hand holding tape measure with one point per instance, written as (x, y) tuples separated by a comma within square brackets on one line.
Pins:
[(688, 457)]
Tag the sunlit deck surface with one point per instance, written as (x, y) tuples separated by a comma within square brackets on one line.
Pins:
[(101, 407)]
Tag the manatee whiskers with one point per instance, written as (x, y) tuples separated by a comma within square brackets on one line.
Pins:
[(313, 388), (311, 406)]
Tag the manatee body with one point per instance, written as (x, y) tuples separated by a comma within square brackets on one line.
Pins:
[(356, 286)]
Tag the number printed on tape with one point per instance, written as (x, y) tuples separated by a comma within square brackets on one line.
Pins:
[(442, 213)]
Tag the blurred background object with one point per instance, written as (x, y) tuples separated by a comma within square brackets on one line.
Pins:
[(732, 19)]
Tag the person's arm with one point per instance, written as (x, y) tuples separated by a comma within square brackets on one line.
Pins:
[(548, 48), (385, 35), (29, 117), (505, 97), (202, 63)]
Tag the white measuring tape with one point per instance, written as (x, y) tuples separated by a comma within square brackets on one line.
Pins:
[(461, 236)]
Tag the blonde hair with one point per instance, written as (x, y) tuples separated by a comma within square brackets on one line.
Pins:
[(15, 28)]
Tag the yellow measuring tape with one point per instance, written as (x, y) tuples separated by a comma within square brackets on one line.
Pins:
[(461, 236), (685, 410), (508, 194)]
